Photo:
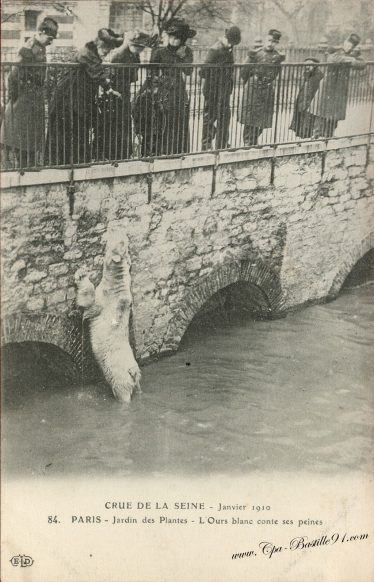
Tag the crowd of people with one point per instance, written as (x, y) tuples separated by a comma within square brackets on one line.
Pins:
[(93, 113)]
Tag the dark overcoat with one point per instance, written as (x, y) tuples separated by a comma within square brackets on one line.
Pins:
[(303, 121), (218, 78), (74, 115), (115, 127), (257, 105), (172, 96), (78, 88), (23, 126), (331, 99)]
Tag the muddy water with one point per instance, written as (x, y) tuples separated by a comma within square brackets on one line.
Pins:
[(290, 394)]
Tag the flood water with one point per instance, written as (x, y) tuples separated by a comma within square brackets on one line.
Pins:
[(288, 394)]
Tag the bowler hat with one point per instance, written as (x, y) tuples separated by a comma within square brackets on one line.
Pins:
[(49, 27), (110, 38), (275, 34), (179, 28), (233, 35), (354, 39)]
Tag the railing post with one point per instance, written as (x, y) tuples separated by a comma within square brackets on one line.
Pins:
[(277, 102)]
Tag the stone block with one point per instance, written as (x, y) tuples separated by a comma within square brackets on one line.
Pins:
[(55, 297), (354, 171), (194, 264), (333, 159), (57, 269), (35, 276), (355, 156), (36, 303), (335, 174), (289, 181), (73, 255), (359, 183)]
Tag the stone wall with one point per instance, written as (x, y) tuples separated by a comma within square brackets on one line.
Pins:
[(291, 220)]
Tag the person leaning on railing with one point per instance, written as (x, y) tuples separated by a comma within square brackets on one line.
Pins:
[(257, 106), (115, 128), (171, 95), (74, 116), (23, 127), (331, 100), (303, 122), (218, 86)]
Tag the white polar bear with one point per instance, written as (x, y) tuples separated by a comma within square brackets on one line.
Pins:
[(108, 309)]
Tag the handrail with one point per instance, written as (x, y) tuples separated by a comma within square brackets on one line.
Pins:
[(57, 115)]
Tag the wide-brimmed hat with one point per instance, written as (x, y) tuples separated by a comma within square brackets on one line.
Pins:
[(110, 38), (49, 27), (179, 28), (276, 34), (140, 39), (233, 35)]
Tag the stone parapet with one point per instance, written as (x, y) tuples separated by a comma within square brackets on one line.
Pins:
[(291, 221)]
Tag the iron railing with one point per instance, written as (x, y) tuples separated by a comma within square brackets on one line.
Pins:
[(293, 54), (55, 115)]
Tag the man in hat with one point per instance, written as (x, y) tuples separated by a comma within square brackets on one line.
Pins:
[(218, 78), (23, 128), (115, 133), (257, 107), (74, 114), (331, 100)]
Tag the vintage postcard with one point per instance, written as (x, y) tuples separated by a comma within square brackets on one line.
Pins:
[(187, 246)]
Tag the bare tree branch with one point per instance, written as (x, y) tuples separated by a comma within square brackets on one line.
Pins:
[(289, 13), (10, 16), (177, 8)]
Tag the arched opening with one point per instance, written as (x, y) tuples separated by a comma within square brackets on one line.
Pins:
[(359, 255), (247, 284), (235, 303), (34, 368), (362, 272)]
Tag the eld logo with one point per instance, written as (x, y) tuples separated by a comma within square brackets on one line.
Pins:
[(23, 561)]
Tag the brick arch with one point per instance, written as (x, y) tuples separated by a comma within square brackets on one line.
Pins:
[(350, 257), (60, 330), (254, 272)]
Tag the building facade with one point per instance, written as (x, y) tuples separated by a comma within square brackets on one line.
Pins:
[(78, 21)]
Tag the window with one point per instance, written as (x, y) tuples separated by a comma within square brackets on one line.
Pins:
[(31, 19), (125, 16)]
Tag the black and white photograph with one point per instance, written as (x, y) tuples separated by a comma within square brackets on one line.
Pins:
[(187, 278)]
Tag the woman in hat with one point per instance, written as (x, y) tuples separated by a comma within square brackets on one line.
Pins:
[(23, 127), (172, 98), (115, 131), (74, 114), (303, 122)]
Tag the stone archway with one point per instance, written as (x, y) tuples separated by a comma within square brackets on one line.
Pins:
[(60, 330), (255, 272), (351, 257)]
